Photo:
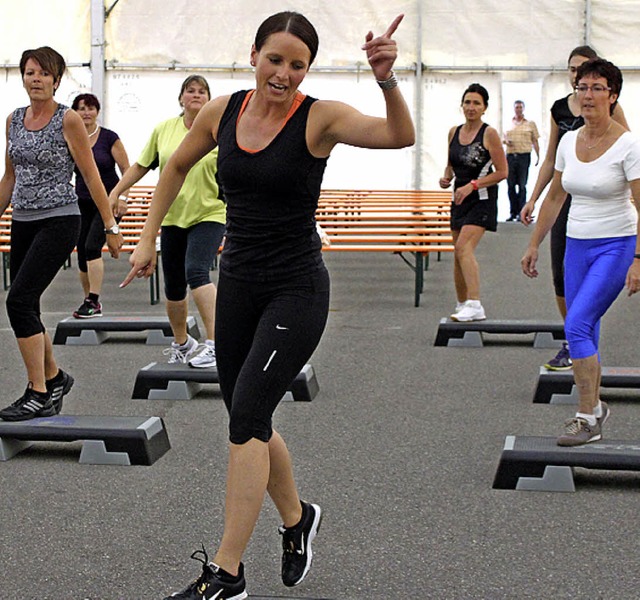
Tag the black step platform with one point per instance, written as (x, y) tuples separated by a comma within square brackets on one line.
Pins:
[(178, 381), (539, 464), (91, 332), (283, 598), (469, 335), (105, 440), (557, 387)]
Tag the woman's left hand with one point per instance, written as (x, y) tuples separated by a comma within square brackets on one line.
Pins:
[(114, 243), (461, 193), (121, 209), (382, 51), (633, 278)]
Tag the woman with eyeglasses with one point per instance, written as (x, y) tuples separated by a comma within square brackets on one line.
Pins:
[(565, 116), (599, 165)]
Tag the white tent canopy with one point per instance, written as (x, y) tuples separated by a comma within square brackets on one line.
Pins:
[(146, 48)]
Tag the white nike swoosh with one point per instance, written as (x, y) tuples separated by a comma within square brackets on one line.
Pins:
[(281, 328)]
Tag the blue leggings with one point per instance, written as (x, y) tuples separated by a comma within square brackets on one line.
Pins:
[(595, 273)]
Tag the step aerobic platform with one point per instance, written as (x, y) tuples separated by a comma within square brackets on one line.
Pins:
[(105, 440), (470, 334), (179, 381), (557, 387), (91, 332), (539, 464), (282, 598)]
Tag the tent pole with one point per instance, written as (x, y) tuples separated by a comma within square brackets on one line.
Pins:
[(419, 102), (97, 49)]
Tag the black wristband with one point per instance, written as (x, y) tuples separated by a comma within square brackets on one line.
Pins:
[(636, 256)]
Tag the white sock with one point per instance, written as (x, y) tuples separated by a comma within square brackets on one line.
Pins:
[(591, 419), (474, 303), (597, 411), (209, 342)]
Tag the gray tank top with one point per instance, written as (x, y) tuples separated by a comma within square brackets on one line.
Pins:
[(43, 169)]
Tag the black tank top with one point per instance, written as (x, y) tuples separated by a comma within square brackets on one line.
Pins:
[(564, 118), (472, 161), (272, 197)]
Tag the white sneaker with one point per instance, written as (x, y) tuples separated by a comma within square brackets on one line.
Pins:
[(471, 311), (206, 357), (459, 307), (181, 354)]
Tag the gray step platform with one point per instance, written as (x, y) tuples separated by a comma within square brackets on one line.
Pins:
[(91, 332), (283, 598), (178, 381), (105, 440), (539, 464), (557, 387), (470, 335)]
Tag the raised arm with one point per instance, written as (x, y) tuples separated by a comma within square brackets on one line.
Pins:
[(77, 140), (197, 143), (335, 122)]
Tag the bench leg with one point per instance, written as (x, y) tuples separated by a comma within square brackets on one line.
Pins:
[(419, 272)]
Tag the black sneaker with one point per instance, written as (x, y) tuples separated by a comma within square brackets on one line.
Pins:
[(88, 310), (296, 545), (59, 387), (213, 583), (30, 406)]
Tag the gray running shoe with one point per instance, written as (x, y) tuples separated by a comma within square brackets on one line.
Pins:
[(561, 361), (605, 413), (577, 432), (181, 354)]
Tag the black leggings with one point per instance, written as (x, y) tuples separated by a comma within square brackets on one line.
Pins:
[(265, 334), (92, 236), (558, 246), (38, 250)]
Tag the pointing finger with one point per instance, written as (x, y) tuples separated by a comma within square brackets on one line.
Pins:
[(392, 28)]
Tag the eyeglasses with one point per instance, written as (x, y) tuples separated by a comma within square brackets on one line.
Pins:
[(596, 88)]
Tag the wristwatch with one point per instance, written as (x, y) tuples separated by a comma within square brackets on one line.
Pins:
[(115, 230)]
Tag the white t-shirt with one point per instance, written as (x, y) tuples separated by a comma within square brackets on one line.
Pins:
[(601, 204)]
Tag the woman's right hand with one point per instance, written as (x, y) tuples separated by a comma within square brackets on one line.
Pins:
[(143, 261), (529, 261), (526, 214), (445, 182)]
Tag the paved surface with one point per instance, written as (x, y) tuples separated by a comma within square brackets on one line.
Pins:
[(400, 448)]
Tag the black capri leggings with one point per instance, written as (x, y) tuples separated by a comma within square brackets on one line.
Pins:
[(187, 256), (265, 334), (558, 246), (92, 236), (38, 250)]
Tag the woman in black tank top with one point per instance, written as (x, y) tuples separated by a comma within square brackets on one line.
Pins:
[(478, 163), (273, 294)]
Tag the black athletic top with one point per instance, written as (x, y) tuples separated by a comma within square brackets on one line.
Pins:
[(272, 197), (105, 162), (472, 162), (564, 118)]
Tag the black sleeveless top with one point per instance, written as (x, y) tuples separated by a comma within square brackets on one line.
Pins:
[(272, 197), (472, 162), (564, 118)]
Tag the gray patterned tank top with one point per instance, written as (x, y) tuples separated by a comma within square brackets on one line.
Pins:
[(42, 164)]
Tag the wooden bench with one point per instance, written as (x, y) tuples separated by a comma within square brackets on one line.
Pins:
[(412, 224)]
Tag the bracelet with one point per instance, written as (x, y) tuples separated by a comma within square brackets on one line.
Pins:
[(635, 256), (474, 185), (388, 84)]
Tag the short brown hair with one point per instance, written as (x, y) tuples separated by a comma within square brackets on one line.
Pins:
[(48, 59)]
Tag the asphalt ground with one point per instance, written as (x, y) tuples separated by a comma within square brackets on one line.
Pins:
[(400, 448)]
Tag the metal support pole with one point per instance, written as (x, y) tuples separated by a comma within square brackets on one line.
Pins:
[(419, 105), (587, 22), (97, 49)]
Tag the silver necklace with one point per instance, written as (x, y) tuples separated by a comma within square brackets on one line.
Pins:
[(94, 131), (584, 136)]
